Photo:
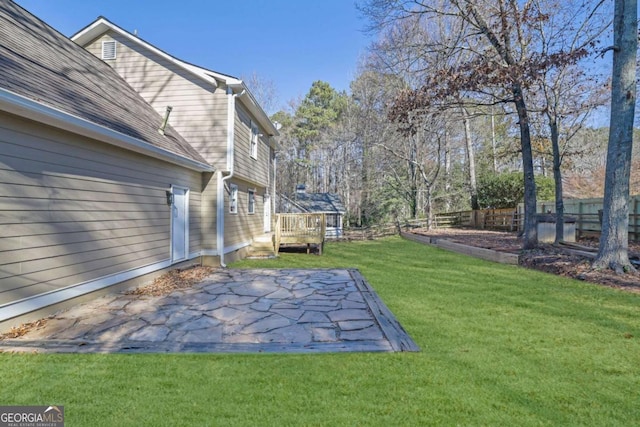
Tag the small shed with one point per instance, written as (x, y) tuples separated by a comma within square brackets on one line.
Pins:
[(329, 204)]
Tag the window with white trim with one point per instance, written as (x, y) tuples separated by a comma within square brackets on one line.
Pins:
[(251, 207), (233, 199), (255, 133), (108, 49)]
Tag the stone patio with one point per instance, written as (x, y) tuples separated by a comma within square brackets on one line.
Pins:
[(231, 311)]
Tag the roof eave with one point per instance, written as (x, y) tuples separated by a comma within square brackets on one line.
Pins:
[(27, 108), (250, 102)]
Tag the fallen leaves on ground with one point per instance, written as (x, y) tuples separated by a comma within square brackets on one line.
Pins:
[(174, 280), (163, 285), (18, 331)]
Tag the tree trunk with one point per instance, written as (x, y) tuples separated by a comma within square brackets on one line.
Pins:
[(614, 240), (530, 235), (471, 159), (493, 143), (429, 210), (447, 173), (557, 179), (364, 202), (413, 185)]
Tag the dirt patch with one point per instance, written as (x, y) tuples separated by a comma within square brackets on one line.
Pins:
[(548, 258)]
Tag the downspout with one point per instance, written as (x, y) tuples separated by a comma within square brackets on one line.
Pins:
[(231, 111)]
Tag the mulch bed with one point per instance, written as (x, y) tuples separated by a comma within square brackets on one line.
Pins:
[(546, 257)]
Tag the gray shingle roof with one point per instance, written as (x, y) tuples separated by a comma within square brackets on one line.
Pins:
[(41, 64), (319, 202)]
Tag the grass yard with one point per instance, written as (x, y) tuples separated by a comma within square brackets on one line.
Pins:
[(501, 345)]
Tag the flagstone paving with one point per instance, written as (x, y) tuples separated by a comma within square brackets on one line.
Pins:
[(231, 311)]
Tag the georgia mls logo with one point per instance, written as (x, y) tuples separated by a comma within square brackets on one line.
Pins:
[(53, 408), (31, 416), (57, 412)]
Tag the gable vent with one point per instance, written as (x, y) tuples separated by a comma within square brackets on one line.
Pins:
[(109, 49)]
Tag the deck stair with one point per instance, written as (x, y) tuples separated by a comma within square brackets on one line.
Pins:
[(263, 247)]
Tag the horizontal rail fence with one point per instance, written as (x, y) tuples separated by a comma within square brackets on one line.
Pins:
[(370, 233), (491, 219), (453, 219), (496, 219), (587, 212), (383, 230)]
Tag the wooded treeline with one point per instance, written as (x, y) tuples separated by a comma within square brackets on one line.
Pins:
[(457, 103)]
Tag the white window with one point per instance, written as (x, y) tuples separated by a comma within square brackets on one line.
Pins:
[(254, 140), (109, 49), (251, 208), (233, 199)]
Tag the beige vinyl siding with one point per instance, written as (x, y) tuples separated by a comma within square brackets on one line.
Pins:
[(199, 109), (74, 210), (272, 170), (208, 212), (250, 169), (242, 227), (200, 115)]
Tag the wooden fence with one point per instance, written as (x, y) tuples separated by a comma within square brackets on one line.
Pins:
[(491, 219), (452, 219), (586, 212), (369, 233)]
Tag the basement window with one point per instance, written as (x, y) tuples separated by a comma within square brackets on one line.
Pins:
[(109, 49)]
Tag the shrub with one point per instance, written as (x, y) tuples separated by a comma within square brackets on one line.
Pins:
[(506, 190)]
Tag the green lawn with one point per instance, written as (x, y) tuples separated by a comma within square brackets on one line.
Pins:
[(501, 345)]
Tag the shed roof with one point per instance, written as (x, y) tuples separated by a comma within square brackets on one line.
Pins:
[(319, 202), (41, 67)]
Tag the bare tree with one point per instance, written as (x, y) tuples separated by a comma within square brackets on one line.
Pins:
[(471, 158), (420, 146), (493, 58), (371, 91), (264, 90), (403, 51), (568, 94), (614, 241), (490, 37)]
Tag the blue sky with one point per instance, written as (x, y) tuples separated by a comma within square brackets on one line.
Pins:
[(290, 42)]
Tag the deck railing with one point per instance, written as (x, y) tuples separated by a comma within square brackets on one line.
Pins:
[(300, 228)]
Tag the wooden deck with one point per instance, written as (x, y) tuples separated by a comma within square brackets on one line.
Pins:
[(300, 228)]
